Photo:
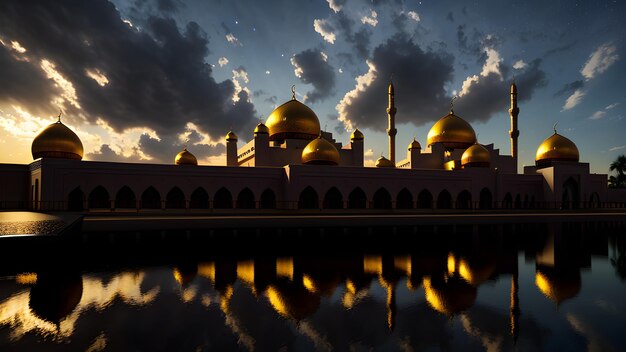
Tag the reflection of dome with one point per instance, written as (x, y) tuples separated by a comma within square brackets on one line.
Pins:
[(185, 273), (475, 271), (185, 158), (54, 297), (57, 141), (357, 135), (415, 145), (231, 136), (556, 148), (261, 129), (384, 162), (320, 152), (476, 156), (449, 297), (452, 131), (293, 301), (293, 120), (558, 287)]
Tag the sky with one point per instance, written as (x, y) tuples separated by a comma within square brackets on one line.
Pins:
[(138, 80)]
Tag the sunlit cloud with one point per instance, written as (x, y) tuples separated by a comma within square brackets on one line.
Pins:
[(17, 47), (240, 77), (413, 15), (233, 40), (573, 99), (69, 92), (97, 76), (617, 148), (372, 20), (325, 29), (362, 83), (520, 65), (597, 115), (599, 61), (222, 61), (336, 5)]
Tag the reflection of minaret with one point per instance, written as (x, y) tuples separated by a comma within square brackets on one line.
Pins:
[(515, 311), (514, 132), (391, 130)]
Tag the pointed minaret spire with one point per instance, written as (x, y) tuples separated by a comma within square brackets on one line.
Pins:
[(514, 132), (391, 130)]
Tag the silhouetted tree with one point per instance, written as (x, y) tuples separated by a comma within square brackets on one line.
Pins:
[(619, 166)]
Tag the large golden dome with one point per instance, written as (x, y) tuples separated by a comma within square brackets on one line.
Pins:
[(320, 152), (476, 156), (293, 120), (452, 131), (57, 141), (185, 158), (556, 148)]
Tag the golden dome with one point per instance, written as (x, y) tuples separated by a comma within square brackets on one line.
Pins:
[(476, 155), (415, 145), (185, 158), (261, 129), (384, 162), (320, 152), (57, 141), (357, 135), (293, 120), (231, 136), (556, 148), (452, 131)]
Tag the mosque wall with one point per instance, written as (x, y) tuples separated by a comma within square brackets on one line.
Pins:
[(14, 186)]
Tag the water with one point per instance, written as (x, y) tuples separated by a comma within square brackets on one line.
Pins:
[(519, 287)]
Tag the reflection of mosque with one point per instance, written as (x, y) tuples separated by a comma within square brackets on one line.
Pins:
[(290, 163)]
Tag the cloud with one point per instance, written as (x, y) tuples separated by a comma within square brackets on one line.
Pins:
[(520, 65), (617, 148), (240, 79), (233, 40), (573, 99), (560, 49), (105, 153), (372, 20), (569, 88), (325, 29), (222, 61), (336, 5), (609, 107), (413, 15), (312, 67), (599, 61), (450, 16), (343, 27), (597, 115), (165, 150)]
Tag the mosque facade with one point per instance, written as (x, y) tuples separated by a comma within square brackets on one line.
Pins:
[(292, 164)]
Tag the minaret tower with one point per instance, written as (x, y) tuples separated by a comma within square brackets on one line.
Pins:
[(514, 132), (391, 130)]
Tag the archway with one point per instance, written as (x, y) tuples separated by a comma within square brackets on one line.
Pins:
[(333, 199), (268, 199), (223, 199), (507, 203), (357, 199), (570, 197), (382, 199), (486, 199), (404, 200), (150, 199), (594, 200), (518, 202), (308, 199), (99, 198), (425, 199), (199, 199), (175, 199), (125, 198), (444, 200), (464, 200), (526, 202), (245, 199), (75, 200)]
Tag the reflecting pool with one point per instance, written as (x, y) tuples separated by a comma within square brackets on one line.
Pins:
[(496, 288)]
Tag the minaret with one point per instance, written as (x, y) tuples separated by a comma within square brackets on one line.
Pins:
[(514, 132), (391, 130)]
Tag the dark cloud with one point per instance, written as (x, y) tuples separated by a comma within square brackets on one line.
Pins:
[(560, 49), (360, 40), (313, 68), (569, 88), (168, 5), (450, 16), (107, 154), (272, 100), (164, 151), (158, 77)]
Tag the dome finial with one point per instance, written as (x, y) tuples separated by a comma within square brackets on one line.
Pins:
[(59, 117), (554, 127), (293, 92)]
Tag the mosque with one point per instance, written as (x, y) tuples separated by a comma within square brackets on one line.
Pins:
[(292, 164)]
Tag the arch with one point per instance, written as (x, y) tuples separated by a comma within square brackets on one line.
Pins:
[(125, 198), (518, 202), (308, 199), (464, 200), (532, 202), (268, 200), (382, 199), (570, 197), (444, 200), (99, 198), (245, 199), (333, 199), (199, 199), (526, 202), (175, 199), (486, 199), (425, 199), (404, 200), (507, 203), (357, 199), (75, 200), (594, 200), (223, 199), (151, 199)]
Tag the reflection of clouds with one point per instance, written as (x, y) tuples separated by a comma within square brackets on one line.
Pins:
[(98, 344), (490, 342), (595, 340)]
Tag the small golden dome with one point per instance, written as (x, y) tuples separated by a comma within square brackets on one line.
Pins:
[(261, 129), (452, 131), (320, 152), (415, 144), (357, 135), (556, 148), (293, 120), (384, 162), (57, 141), (476, 156), (185, 158), (231, 136)]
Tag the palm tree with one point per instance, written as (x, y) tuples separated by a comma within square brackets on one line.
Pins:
[(619, 166)]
